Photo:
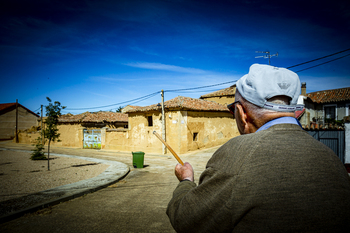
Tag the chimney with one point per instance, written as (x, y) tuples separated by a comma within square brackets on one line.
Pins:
[(303, 89)]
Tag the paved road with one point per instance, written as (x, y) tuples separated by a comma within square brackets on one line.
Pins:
[(136, 203)]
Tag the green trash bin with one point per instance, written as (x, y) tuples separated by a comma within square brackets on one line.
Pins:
[(137, 159)]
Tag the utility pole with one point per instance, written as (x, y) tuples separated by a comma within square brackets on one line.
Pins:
[(42, 136), (163, 123), (16, 131), (268, 55)]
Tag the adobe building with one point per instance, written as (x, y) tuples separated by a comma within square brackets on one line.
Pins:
[(81, 130), (26, 119), (224, 96), (190, 124), (323, 107)]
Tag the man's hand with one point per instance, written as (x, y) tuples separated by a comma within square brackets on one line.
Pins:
[(184, 172)]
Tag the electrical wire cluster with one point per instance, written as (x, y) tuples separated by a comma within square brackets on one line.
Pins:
[(37, 110), (133, 101), (320, 59)]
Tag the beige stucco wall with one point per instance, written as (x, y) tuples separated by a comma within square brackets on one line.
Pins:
[(140, 135), (71, 135), (28, 138), (115, 140), (176, 129), (8, 122), (212, 128)]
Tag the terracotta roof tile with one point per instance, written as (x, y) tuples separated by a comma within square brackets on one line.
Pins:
[(184, 103), (128, 107), (230, 91), (95, 117), (73, 118), (106, 117), (327, 96), (131, 106)]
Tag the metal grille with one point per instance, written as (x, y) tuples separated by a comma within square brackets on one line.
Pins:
[(333, 139), (92, 139)]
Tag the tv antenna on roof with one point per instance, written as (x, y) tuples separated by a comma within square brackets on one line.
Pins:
[(268, 55)]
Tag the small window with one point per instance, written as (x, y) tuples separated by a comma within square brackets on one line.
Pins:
[(150, 121), (330, 112), (195, 137)]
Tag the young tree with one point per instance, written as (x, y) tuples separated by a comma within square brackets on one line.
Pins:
[(38, 153), (53, 111)]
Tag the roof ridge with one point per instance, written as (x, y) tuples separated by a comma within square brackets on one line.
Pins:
[(333, 95), (329, 90)]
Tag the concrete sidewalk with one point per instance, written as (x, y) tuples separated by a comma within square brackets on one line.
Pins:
[(136, 203)]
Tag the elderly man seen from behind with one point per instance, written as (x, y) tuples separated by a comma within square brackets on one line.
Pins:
[(272, 178)]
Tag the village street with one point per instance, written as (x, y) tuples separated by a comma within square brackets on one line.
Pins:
[(137, 203)]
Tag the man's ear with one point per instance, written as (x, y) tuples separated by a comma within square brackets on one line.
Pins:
[(243, 119)]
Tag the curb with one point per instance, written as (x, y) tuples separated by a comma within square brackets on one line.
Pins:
[(111, 175)]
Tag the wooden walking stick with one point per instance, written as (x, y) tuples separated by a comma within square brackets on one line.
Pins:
[(171, 150)]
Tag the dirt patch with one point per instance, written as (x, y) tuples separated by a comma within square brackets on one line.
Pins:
[(21, 176)]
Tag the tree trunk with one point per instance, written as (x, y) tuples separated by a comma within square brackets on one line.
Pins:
[(48, 156)]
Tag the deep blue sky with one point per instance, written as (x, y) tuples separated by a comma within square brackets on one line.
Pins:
[(95, 53)]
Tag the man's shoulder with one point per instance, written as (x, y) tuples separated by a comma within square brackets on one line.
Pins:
[(234, 150), (244, 139), (240, 147)]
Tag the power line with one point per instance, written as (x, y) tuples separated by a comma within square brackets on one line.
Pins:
[(133, 101), (319, 59), (323, 63), (195, 91), (194, 88), (140, 98), (36, 110), (156, 93)]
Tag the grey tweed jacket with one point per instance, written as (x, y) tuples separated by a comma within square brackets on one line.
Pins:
[(275, 180)]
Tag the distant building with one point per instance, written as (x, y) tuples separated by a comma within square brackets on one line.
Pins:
[(128, 107), (26, 119), (82, 130), (328, 106), (190, 124), (224, 96)]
